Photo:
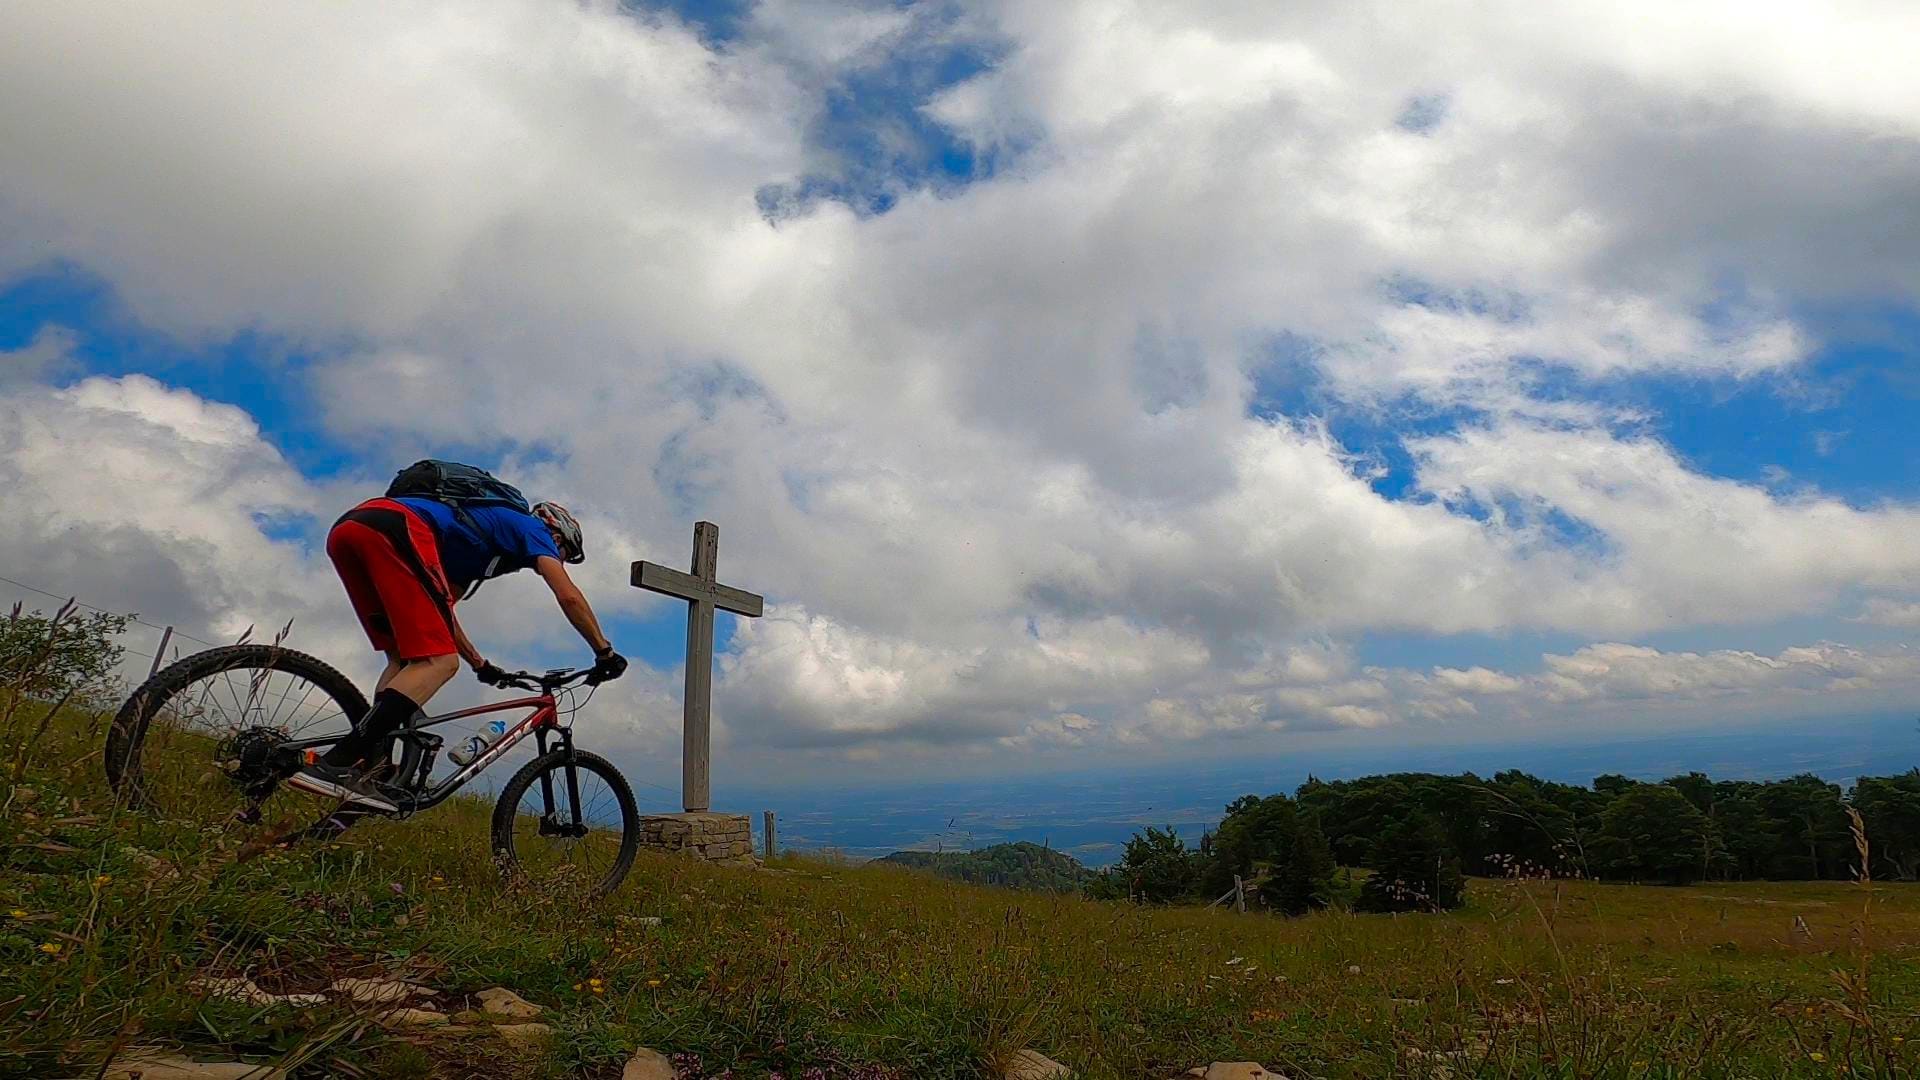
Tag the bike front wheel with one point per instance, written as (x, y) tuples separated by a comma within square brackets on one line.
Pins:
[(538, 836)]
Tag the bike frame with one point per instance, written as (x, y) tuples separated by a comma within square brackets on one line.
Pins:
[(543, 720)]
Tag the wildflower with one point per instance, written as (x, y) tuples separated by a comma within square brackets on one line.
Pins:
[(653, 983), (17, 913), (578, 986), (1817, 1056), (598, 989), (51, 949)]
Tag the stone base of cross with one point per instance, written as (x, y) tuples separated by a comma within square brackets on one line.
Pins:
[(699, 831), (726, 839)]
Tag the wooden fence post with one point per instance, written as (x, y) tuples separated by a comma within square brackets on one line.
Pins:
[(1239, 894), (159, 654), (767, 833)]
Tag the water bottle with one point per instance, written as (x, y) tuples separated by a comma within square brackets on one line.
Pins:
[(477, 745)]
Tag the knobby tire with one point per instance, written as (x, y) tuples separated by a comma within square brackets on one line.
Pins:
[(555, 761)]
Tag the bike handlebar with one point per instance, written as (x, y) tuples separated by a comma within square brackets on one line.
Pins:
[(545, 682)]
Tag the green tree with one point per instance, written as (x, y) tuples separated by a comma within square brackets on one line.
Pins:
[(1416, 869), (1890, 808), (1271, 842), (1613, 785), (1019, 865), (1697, 788), (1815, 839), (1651, 832), (1158, 867), (1534, 827)]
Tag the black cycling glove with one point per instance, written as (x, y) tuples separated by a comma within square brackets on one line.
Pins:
[(491, 674), (607, 666)]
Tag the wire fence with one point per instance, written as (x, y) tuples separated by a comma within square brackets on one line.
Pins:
[(128, 615)]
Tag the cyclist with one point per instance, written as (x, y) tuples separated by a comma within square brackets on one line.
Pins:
[(404, 561)]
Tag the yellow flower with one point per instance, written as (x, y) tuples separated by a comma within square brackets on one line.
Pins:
[(17, 913), (598, 989), (655, 983), (1817, 1056), (50, 949), (576, 986), (103, 879)]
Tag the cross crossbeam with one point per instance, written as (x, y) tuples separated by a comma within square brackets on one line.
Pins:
[(663, 579), (703, 594)]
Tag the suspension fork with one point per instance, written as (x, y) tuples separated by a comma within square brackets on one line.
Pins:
[(573, 780)]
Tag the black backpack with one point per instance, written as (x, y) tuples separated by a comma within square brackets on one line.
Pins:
[(459, 486)]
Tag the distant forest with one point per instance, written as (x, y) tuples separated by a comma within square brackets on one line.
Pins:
[(1015, 866), (1419, 835)]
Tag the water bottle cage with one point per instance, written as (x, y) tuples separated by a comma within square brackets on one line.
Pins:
[(429, 752)]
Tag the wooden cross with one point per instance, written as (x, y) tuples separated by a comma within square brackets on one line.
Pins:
[(703, 594)]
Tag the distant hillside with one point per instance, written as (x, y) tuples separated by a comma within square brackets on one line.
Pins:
[(1015, 866)]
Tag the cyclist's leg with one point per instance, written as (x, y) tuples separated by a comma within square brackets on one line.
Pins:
[(394, 664), (402, 617)]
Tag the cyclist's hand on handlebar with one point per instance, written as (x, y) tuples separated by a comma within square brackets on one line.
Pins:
[(607, 666), (490, 673)]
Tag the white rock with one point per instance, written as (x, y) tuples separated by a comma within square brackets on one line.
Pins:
[(156, 1066), (151, 865), (380, 991), (648, 1065), (1237, 1070), (524, 1034), (1033, 1065), (503, 1002), (407, 1017), (246, 992)]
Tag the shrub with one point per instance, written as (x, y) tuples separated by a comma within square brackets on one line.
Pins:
[(48, 662)]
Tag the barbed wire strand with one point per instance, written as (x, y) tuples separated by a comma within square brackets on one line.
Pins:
[(177, 632)]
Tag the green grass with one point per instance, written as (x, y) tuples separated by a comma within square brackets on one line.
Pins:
[(880, 971)]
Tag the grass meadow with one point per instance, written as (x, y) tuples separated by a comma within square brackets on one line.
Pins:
[(821, 969)]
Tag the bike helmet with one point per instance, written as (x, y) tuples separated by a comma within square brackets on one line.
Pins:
[(572, 546)]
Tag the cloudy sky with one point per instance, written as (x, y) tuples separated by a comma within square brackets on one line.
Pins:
[(1084, 383)]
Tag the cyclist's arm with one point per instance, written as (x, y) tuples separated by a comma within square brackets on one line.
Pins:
[(572, 601), (467, 651)]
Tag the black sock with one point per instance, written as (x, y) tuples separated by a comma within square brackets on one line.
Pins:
[(391, 710)]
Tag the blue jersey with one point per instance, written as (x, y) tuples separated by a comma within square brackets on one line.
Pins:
[(496, 532)]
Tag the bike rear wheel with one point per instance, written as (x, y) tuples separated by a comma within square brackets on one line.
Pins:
[(201, 740), (535, 836)]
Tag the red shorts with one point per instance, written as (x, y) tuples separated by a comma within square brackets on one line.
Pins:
[(388, 559)]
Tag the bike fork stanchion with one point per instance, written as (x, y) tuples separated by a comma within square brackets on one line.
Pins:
[(546, 784), (573, 782)]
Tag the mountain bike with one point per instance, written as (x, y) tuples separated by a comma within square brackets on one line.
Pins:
[(211, 738)]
